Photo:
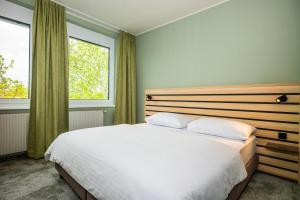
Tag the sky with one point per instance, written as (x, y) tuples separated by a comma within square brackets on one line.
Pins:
[(14, 45)]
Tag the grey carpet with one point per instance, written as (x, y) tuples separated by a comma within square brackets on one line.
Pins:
[(28, 179)]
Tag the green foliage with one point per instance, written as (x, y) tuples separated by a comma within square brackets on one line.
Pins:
[(88, 70), (88, 73), (10, 88)]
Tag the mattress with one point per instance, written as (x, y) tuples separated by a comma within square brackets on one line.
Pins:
[(132, 162), (246, 148)]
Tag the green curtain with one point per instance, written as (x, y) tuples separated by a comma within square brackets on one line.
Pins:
[(49, 87), (126, 80)]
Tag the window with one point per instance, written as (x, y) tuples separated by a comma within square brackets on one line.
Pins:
[(91, 68), (14, 59), (15, 55), (88, 70)]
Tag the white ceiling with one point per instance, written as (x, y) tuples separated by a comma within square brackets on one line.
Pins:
[(136, 16)]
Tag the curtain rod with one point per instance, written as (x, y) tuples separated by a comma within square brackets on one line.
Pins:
[(76, 13)]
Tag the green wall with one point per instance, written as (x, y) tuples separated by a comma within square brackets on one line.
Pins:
[(237, 42)]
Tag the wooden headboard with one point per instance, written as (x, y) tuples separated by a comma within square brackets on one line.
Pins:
[(272, 108)]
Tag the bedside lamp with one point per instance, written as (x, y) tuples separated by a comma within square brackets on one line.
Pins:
[(283, 98)]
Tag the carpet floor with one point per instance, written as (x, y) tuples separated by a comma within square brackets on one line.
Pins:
[(26, 179)]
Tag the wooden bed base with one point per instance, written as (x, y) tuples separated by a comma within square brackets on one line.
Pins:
[(235, 193)]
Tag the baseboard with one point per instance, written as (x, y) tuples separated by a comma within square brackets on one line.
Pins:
[(13, 156)]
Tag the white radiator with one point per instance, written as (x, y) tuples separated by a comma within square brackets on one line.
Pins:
[(13, 133), (14, 128), (85, 119)]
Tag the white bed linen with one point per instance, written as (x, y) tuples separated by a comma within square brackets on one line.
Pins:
[(138, 162), (246, 148)]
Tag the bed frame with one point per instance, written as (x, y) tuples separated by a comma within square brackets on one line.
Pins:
[(272, 108), (234, 194)]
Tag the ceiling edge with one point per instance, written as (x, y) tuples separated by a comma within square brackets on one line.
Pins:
[(91, 19), (180, 18)]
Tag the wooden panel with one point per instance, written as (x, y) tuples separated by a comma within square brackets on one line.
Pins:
[(299, 153), (264, 142), (272, 125), (252, 104), (278, 163), (291, 137), (229, 106), (277, 154), (278, 172), (227, 98), (258, 124), (235, 89), (226, 113)]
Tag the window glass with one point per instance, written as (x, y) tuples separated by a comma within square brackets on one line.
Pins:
[(88, 70), (14, 59)]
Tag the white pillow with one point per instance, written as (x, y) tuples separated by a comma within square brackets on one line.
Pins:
[(222, 127), (169, 119)]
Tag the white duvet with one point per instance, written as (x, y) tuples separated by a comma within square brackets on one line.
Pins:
[(132, 162)]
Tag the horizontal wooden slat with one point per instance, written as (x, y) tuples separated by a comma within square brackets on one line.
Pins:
[(291, 137), (229, 106), (278, 172), (228, 98), (257, 124), (278, 163), (235, 89), (277, 154), (272, 125), (252, 104), (264, 142), (227, 113)]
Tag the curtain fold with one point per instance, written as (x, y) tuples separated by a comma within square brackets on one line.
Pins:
[(49, 88), (126, 80)]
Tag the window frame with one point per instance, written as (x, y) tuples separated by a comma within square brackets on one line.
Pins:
[(80, 33), (18, 14), (24, 15)]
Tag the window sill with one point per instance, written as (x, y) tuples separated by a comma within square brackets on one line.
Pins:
[(91, 106), (90, 103), (72, 105), (14, 104)]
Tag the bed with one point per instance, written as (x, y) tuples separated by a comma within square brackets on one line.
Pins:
[(277, 150), (151, 162)]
